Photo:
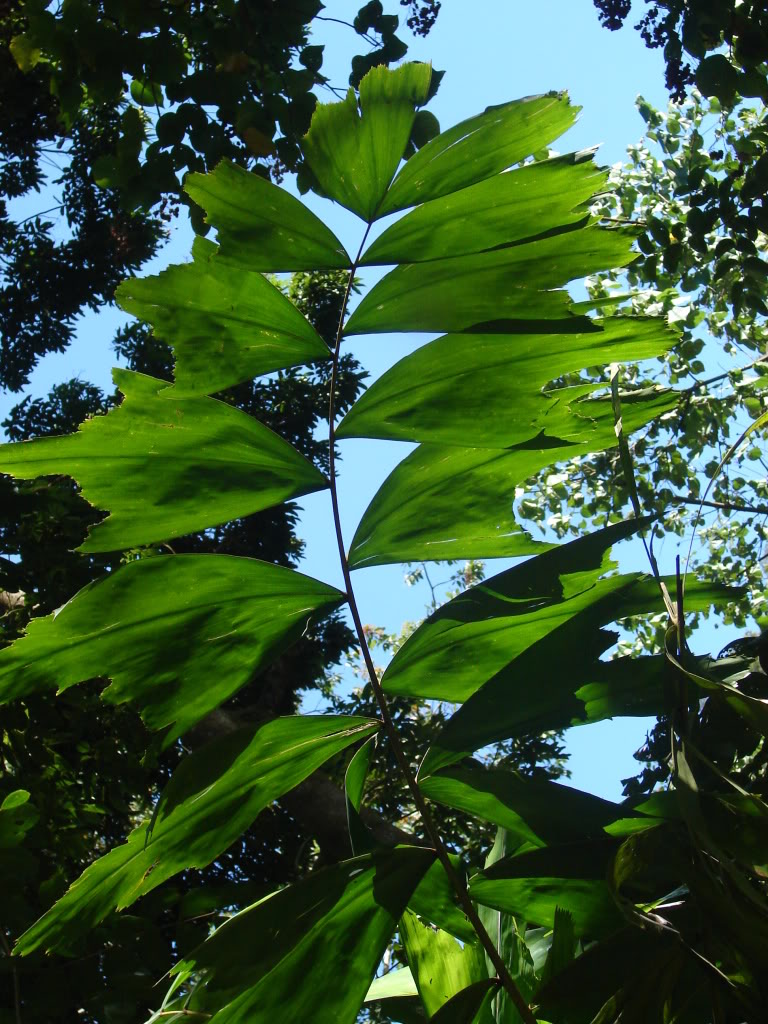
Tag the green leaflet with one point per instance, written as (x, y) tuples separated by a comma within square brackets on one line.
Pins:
[(313, 946), (501, 210), (536, 811), (441, 966), (532, 885), (479, 147), (212, 798), (470, 494), (224, 323), (434, 899), (166, 466), (471, 638), (509, 290), (262, 226), (510, 944), (577, 686), (17, 816), (500, 380), (395, 984), (355, 153), (176, 634)]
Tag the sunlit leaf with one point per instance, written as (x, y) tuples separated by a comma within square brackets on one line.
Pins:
[(506, 208), (577, 685), (449, 502), (260, 225), (225, 324), (537, 811), (471, 638), (211, 799), (165, 466), (486, 390), (353, 152), (176, 634), (313, 946), (510, 290), (440, 965), (479, 147)]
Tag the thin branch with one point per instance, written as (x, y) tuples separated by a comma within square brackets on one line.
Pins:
[(430, 827), (761, 510)]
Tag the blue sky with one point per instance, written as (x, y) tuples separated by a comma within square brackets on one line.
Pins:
[(492, 51)]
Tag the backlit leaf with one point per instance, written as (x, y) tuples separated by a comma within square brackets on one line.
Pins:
[(498, 379), (176, 634), (479, 147), (260, 225), (506, 208), (353, 152), (533, 885), (165, 466), (471, 638), (510, 290), (313, 946), (225, 324), (212, 798), (440, 965)]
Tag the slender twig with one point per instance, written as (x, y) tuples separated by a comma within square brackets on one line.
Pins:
[(729, 506), (389, 726), (15, 973)]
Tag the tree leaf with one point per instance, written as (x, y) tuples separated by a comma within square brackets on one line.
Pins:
[(440, 965), (450, 502), (537, 811), (177, 635), (480, 147), (580, 687), (471, 638), (392, 985), (212, 798), (355, 153), (468, 1005), (312, 945), (571, 876), (360, 837), (434, 899), (528, 202), (509, 290), (225, 324), (166, 466), (261, 226), (499, 380)]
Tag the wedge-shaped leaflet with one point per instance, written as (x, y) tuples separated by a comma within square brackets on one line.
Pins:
[(449, 502), (176, 634), (532, 885), (535, 811), (573, 686), (499, 378), (530, 201), (213, 797), (440, 965), (225, 324), (313, 947), (480, 147), (260, 225), (165, 466), (395, 984), (471, 638), (508, 290), (353, 152)]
